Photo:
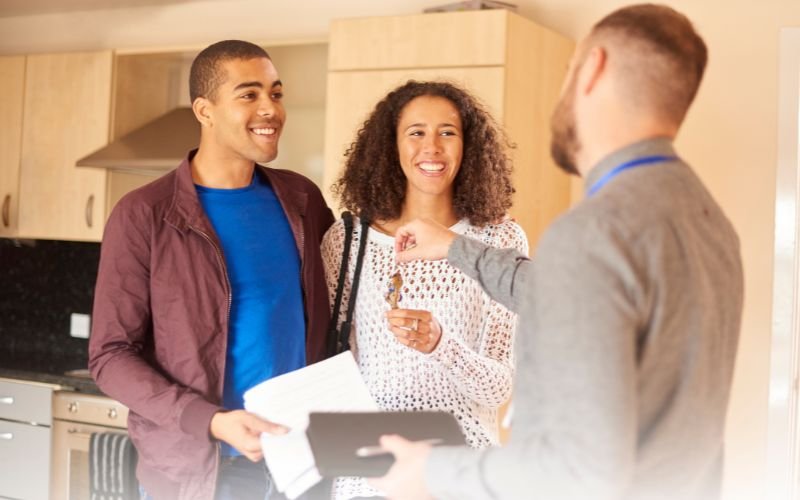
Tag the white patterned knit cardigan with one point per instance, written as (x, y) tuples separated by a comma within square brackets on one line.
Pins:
[(470, 372)]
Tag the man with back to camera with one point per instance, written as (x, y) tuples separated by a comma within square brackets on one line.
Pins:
[(211, 281), (630, 309)]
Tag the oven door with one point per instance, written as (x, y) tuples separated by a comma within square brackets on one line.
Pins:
[(70, 469)]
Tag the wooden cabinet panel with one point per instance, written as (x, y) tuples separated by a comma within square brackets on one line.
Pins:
[(353, 94), (122, 183), (476, 38), (66, 116), (12, 87), (537, 64)]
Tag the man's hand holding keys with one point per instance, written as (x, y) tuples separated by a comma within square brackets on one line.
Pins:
[(422, 239)]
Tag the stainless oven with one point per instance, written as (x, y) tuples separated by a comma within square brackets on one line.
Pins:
[(75, 417)]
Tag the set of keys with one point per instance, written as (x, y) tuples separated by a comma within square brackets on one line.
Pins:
[(395, 287), (395, 283)]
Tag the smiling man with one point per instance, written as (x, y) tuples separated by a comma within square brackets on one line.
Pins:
[(211, 282)]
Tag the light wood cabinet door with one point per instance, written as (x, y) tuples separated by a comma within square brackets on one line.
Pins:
[(12, 87), (536, 65), (66, 116), (452, 39)]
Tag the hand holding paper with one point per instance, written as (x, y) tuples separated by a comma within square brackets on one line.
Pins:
[(242, 430), (331, 385)]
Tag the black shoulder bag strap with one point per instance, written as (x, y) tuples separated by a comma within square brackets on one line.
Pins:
[(339, 338), (333, 330)]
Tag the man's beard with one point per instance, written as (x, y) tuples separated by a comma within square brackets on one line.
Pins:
[(564, 143)]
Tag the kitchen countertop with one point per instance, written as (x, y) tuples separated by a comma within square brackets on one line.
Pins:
[(67, 382)]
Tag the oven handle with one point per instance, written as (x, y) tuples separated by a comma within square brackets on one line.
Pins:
[(77, 433)]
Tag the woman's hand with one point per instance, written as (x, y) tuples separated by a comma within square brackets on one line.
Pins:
[(416, 329)]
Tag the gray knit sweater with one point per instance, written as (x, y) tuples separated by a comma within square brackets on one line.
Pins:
[(629, 322)]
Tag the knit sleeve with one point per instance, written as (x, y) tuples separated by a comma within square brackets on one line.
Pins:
[(485, 374)]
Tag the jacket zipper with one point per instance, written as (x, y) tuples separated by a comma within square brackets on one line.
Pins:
[(227, 323), (306, 311)]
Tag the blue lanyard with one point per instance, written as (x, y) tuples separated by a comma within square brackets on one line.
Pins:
[(639, 162)]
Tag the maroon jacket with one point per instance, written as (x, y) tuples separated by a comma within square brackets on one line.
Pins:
[(160, 324)]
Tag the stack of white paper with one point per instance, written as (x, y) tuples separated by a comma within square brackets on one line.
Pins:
[(331, 385)]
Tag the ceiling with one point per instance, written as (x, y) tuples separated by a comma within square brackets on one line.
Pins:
[(11, 8), (35, 26), (41, 26)]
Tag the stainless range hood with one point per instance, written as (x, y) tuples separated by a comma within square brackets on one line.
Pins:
[(157, 146)]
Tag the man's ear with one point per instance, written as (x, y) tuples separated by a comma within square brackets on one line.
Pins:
[(594, 68), (202, 111)]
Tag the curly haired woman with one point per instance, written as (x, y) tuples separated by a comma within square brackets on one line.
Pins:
[(428, 150)]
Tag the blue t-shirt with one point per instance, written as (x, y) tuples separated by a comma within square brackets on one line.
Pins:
[(267, 327)]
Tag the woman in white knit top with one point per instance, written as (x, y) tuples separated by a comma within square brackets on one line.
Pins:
[(428, 150)]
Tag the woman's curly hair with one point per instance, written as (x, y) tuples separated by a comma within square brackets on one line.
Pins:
[(373, 185)]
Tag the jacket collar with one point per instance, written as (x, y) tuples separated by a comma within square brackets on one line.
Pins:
[(186, 211)]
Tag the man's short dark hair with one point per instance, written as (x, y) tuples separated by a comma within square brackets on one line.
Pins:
[(665, 57), (206, 75)]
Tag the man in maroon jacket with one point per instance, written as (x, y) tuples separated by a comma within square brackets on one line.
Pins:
[(211, 281)]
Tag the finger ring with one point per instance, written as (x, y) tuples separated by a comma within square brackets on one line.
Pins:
[(416, 324)]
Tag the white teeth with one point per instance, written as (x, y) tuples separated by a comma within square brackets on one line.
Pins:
[(264, 131), (431, 167)]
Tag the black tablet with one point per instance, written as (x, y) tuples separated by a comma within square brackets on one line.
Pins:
[(346, 444)]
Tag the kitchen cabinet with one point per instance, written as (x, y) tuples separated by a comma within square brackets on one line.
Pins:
[(65, 115), (54, 109), (12, 91), (25, 439), (510, 63)]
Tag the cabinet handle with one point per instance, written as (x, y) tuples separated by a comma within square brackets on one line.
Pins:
[(7, 436), (89, 208), (112, 413), (7, 400), (6, 207), (72, 407)]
